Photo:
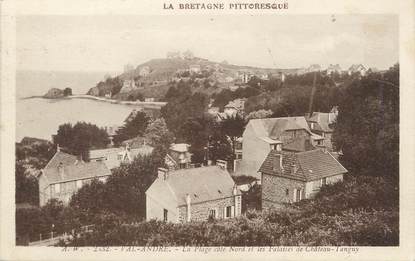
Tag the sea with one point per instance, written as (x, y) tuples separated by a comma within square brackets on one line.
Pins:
[(40, 118)]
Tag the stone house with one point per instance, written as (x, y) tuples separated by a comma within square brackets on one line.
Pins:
[(288, 177), (263, 135), (65, 174), (194, 194)]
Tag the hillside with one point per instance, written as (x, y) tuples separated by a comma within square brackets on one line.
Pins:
[(151, 79)]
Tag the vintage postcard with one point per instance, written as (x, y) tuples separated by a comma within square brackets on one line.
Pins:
[(224, 130)]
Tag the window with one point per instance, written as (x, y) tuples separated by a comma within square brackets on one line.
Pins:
[(165, 214), (78, 184), (228, 212), (119, 156), (276, 147), (57, 188), (287, 192), (297, 195), (212, 213), (324, 181)]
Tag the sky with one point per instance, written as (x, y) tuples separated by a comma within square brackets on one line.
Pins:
[(108, 42)]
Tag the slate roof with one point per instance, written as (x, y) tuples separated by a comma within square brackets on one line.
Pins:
[(110, 155), (298, 145), (80, 170), (202, 184), (274, 127), (310, 165), (323, 120), (61, 157)]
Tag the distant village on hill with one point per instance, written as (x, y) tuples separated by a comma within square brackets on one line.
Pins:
[(150, 80), (235, 155)]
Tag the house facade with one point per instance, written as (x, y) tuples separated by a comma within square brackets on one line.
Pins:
[(194, 194), (64, 175), (263, 135), (288, 177)]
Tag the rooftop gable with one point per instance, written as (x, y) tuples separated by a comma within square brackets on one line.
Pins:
[(61, 157), (323, 120), (274, 127), (304, 166), (76, 171), (202, 184)]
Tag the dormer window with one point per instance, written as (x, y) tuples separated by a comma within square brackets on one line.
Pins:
[(276, 146)]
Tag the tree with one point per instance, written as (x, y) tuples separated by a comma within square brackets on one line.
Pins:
[(134, 126), (233, 127), (367, 127), (196, 131), (158, 134), (35, 155), (181, 105), (80, 138), (67, 92), (27, 189), (124, 192)]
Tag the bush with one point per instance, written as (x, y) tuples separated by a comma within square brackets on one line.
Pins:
[(326, 220)]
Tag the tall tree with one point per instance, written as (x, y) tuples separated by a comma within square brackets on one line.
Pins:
[(135, 125), (182, 104), (158, 134), (124, 192), (81, 137), (27, 189), (233, 128), (367, 127)]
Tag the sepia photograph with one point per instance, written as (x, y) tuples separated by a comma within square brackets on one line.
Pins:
[(207, 130)]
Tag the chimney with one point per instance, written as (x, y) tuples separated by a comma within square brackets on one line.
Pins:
[(162, 173), (322, 147), (188, 203), (222, 164), (61, 170), (235, 190), (294, 168)]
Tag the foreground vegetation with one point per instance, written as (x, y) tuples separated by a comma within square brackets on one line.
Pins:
[(360, 211), (363, 210)]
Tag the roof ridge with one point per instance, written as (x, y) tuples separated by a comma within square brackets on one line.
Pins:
[(56, 153), (300, 167), (308, 151)]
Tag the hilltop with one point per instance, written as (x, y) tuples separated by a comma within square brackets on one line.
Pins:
[(150, 80)]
